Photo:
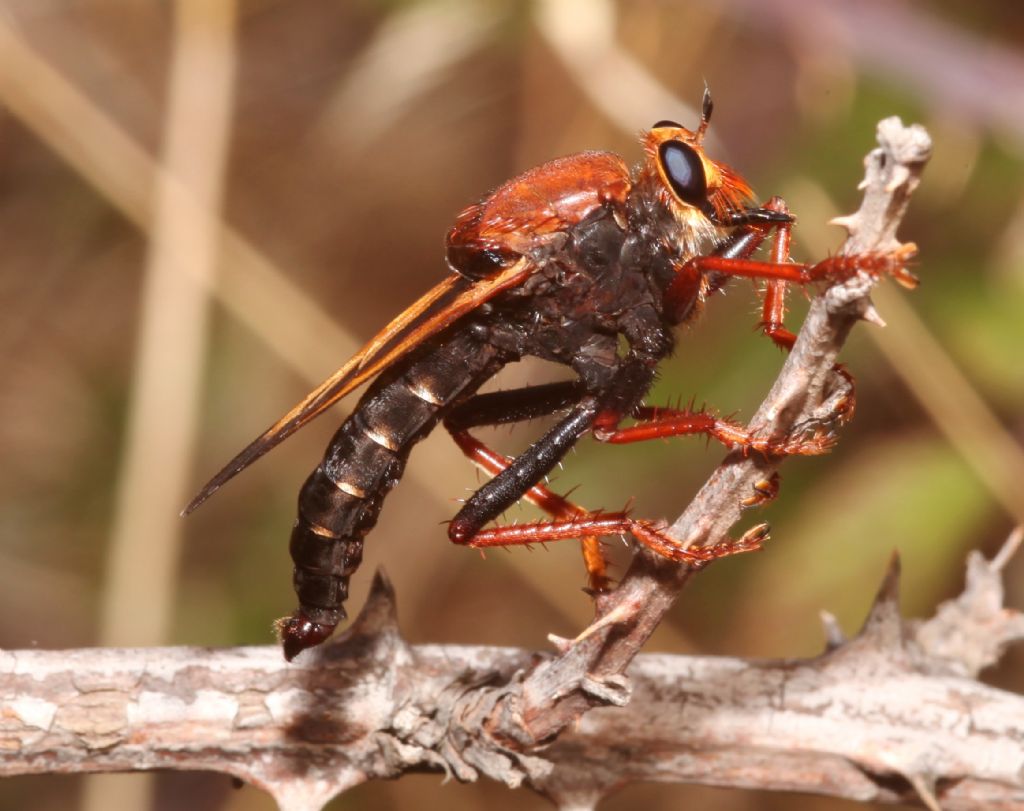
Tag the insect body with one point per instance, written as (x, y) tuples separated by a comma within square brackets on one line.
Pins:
[(566, 263)]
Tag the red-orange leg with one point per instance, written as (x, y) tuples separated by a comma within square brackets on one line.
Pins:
[(765, 490), (574, 522), (558, 507), (773, 314), (649, 533), (773, 311), (834, 268), (658, 423)]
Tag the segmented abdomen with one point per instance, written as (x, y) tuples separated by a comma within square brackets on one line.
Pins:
[(341, 500)]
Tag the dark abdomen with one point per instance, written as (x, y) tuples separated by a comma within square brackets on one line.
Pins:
[(341, 500)]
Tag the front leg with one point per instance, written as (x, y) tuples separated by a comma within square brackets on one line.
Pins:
[(733, 258), (843, 401), (660, 423), (837, 268)]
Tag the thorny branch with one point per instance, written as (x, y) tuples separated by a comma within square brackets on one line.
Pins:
[(893, 713)]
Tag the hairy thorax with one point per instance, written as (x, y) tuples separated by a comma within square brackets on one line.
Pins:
[(601, 280)]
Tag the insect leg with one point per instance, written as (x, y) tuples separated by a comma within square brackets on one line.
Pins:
[(842, 402), (515, 405), (503, 407), (517, 478), (773, 310), (651, 534), (834, 268), (552, 503), (520, 478), (659, 423)]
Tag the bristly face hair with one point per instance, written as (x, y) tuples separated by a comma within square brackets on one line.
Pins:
[(701, 193)]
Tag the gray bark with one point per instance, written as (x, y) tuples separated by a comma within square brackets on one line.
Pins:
[(894, 713)]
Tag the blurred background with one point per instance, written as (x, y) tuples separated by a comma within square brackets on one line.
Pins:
[(207, 206)]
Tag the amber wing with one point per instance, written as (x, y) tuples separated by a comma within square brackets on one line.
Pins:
[(438, 309)]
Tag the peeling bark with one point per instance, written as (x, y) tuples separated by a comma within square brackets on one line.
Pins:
[(880, 717)]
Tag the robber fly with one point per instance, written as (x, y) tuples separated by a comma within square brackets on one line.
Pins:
[(569, 262)]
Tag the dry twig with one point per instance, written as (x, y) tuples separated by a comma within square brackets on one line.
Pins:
[(881, 717)]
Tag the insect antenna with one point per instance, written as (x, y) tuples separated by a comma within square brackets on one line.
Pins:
[(706, 107)]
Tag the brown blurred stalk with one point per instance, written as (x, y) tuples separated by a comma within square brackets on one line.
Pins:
[(142, 562), (249, 286)]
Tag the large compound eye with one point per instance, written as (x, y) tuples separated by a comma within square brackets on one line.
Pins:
[(685, 172), (667, 123)]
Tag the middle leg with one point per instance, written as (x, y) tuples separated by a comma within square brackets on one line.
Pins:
[(503, 407), (658, 423), (520, 478)]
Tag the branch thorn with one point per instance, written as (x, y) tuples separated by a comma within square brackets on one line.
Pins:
[(925, 788), (834, 636), (871, 315)]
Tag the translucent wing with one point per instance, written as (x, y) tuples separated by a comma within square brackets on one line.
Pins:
[(439, 308)]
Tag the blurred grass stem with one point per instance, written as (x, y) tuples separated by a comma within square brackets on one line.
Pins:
[(248, 285), (143, 558), (948, 397), (173, 327), (583, 35)]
